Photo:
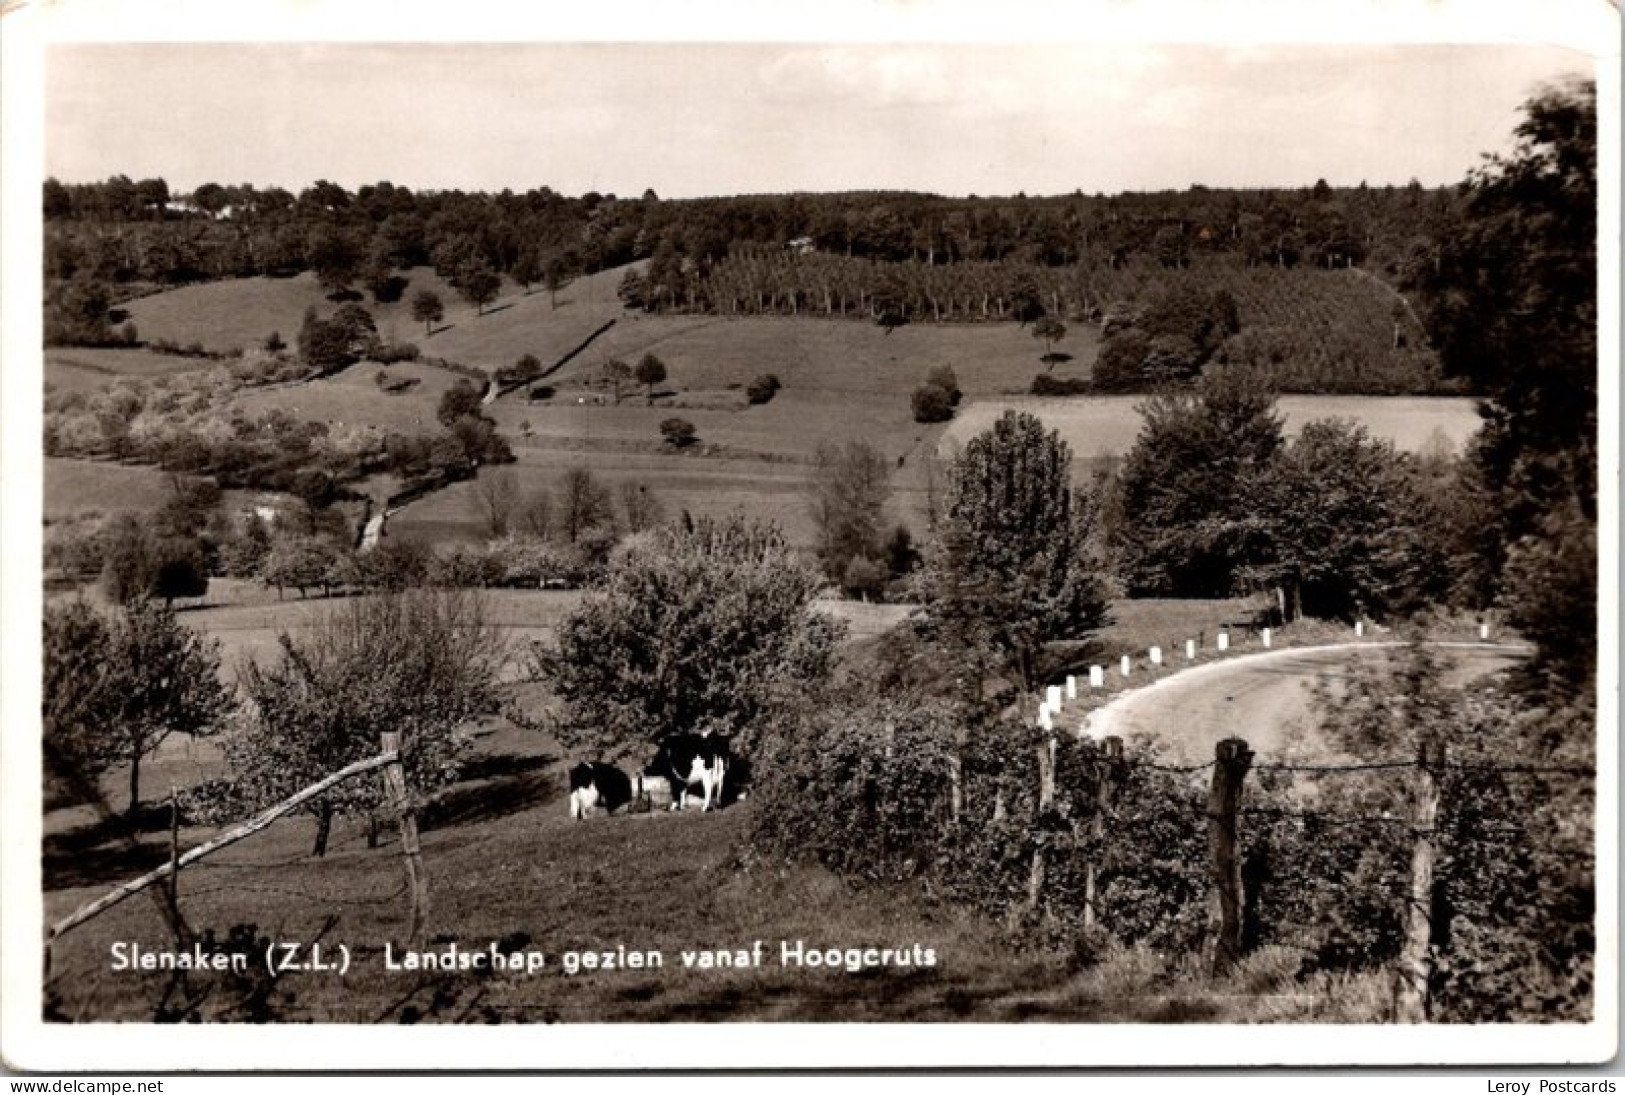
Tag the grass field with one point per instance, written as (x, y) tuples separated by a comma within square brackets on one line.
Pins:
[(1108, 425), (505, 863), (87, 368), (81, 486), (239, 313), (353, 397), (74, 487), (841, 379)]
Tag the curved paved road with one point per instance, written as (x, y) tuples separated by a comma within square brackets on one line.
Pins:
[(1264, 698)]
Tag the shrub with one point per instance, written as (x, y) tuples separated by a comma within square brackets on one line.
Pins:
[(932, 404), (863, 577), (856, 788), (390, 353), (1045, 384), (762, 389), (1121, 364), (465, 565), (462, 400), (541, 392), (678, 432), (528, 367), (943, 377)]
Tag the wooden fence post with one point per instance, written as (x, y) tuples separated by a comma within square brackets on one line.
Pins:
[(1415, 963), (1046, 803), (1232, 759), (172, 892), (1105, 780), (417, 884)]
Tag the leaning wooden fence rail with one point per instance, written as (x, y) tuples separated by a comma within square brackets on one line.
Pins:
[(248, 828)]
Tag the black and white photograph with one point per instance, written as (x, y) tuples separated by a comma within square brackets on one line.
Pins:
[(1062, 539)]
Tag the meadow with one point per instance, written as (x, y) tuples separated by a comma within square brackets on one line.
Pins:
[(241, 312), (507, 866), (841, 379), (88, 368)]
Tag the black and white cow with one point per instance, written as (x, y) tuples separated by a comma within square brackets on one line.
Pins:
[(594, 783), (688, 760)]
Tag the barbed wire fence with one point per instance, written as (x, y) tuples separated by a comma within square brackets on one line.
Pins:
[(1087, 816)]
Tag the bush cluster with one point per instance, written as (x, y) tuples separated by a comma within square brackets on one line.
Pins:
[(935, 400), (762, 389), (1045, 384)]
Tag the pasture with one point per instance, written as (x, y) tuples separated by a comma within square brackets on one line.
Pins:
[(354, 398), (507, 866), (242, 312), (75, 488), (88, 368), (1107, 425), (841, 379)]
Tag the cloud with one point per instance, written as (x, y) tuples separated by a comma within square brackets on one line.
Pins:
[(874, 76)]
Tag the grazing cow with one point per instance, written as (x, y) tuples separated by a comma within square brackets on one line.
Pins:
[(594, 783), (684, 760)]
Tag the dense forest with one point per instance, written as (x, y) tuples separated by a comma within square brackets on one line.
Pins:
[(1315, 274), (133, 232)]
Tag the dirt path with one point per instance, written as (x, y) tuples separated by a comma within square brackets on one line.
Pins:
[(1264, 698)]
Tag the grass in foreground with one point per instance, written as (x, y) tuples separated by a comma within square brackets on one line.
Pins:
[(506, 865)]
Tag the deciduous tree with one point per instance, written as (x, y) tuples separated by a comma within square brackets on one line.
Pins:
[(701, 626), (421, 664), (1187, 526), (115, 689), (499, 495), (479, 285), (1007, 568), (583, 504), (650, 371), (427, 309), (1338, 517), (1511, 301), (1049, 330), (850, 486), (677, 432)]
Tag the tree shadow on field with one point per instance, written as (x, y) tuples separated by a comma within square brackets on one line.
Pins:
[(66, 865), (149, 817), (492, 787), (495, 308)]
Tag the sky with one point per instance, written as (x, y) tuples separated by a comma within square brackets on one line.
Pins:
[(689, 119)]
